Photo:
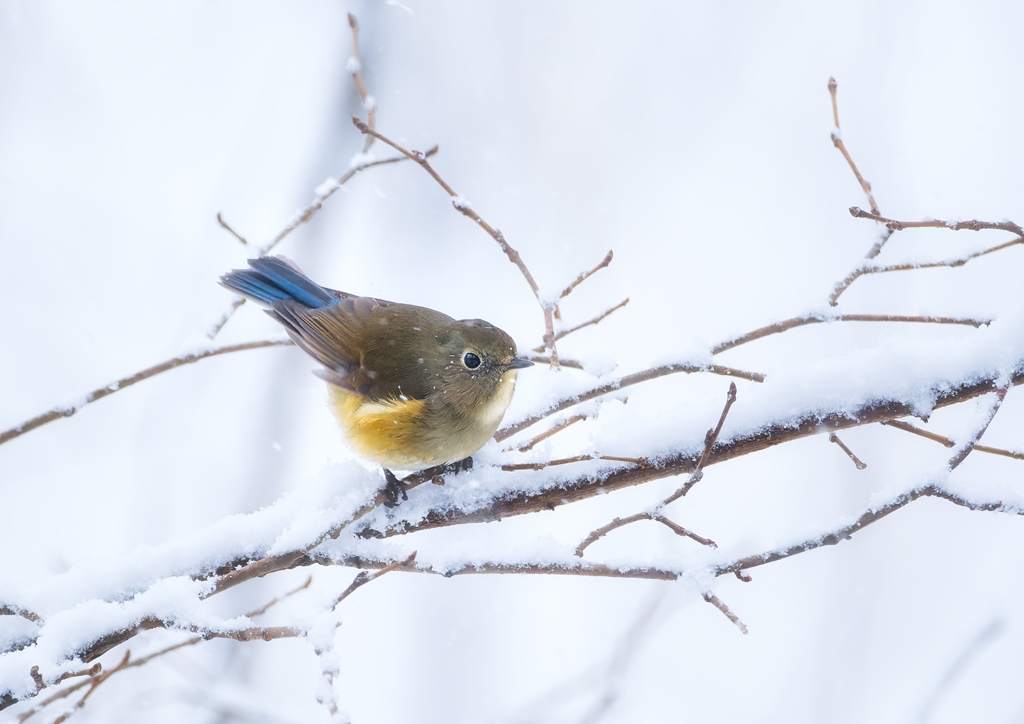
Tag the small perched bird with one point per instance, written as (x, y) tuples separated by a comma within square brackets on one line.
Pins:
[(411, 387)]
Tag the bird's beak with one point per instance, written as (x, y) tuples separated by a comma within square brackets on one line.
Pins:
[(518, 363)]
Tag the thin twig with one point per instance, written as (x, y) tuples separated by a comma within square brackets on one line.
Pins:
[(626, 381), (906, 426), (529, 445), (695, 476), (364, 577), (355, 67), (838, 142), (464, 208), (972, 225), (91, 671), (562, 361), (832, 437), (298, 220), (683, 532), (370, 104), (220, 220), (599, 533), (263, 609), (595, 320), (717, 603), (98, 394), (876, 248), (860, 271), (959, 457), (795, 322), (565, 461), (586, 275), (709, 442)]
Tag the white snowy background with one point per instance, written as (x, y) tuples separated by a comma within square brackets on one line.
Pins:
[(693, 139)]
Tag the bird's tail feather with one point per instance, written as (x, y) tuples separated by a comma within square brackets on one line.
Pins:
[(275, 279)]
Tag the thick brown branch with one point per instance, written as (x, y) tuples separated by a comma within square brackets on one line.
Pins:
[(572, 489), (99, 394)]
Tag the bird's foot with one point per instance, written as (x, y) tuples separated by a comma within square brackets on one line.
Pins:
[(393, 489)]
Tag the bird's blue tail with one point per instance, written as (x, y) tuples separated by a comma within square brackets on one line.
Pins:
[(273, 279)]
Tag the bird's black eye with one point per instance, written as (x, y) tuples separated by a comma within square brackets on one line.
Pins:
[(471, 360)]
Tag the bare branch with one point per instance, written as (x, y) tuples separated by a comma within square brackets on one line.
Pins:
[(717, 603), (220, 220), (838, 142), (626, 381), (599, 533), (960, 456), (683, 532), (363, 577), (575, 459), (832, 437), (355, 67), (529, 445), (803, 321), (906, 426), (695, 476), (842, 286), (709, 442), (263, 609), (972, 225), (464, 208), (562, 362), (586, 275), (595, 320), (98, 394)]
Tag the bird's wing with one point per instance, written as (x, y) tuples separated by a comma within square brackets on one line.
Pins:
[(332, 336)]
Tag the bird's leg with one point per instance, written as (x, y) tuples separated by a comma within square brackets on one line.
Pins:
[(393, 489)]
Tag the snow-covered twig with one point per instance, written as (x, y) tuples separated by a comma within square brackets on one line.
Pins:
[(98, 394)]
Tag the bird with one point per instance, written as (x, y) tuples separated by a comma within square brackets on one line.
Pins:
[(411, 387)]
